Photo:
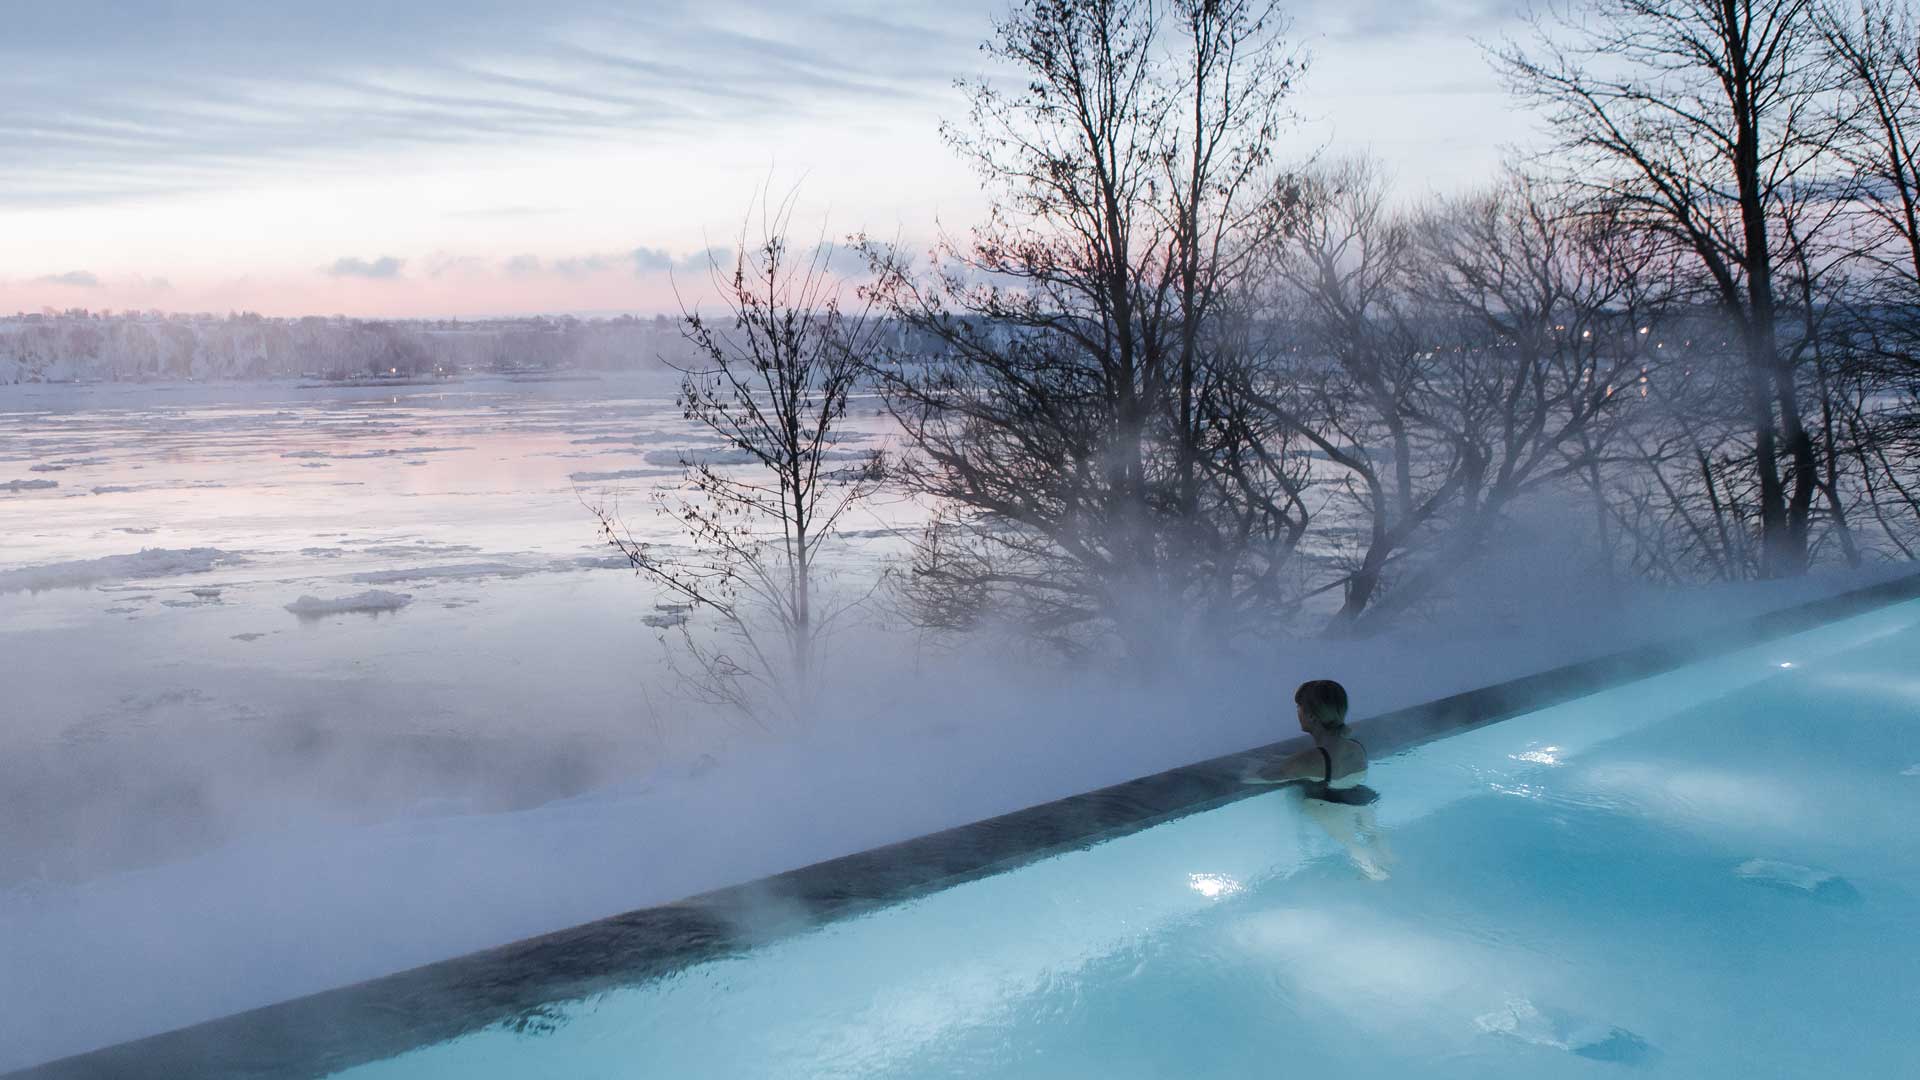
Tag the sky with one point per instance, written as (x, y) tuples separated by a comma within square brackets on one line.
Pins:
[(496, 157)]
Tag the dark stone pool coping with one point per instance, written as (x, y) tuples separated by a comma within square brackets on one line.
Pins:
[(512, 984)]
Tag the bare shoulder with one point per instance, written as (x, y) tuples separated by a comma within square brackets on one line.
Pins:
[(1349, 757)]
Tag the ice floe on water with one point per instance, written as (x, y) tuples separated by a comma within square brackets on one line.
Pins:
[(456, 572), (605, 562), (373, 601), (29, 485), (145, 563), (619, 474), (420, 547), (718, 456), (383, 452), (631, 440)]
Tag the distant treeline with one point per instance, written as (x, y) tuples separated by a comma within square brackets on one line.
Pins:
[(78, 345), (81, 345)]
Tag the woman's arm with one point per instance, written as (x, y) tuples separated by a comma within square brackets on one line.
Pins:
[(1308, 764)]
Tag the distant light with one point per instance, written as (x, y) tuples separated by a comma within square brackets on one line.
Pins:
[(1586, 333), (1786, 663), (1643, 329)]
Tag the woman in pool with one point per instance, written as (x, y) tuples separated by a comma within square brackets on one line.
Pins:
[(1332, 774)]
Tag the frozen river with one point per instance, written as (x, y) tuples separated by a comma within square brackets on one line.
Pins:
[(161, 695)]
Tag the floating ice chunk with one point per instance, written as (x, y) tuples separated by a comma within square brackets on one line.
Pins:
[(372, 601), (403, 451), (596, 562), (631, 440), (665, 620), (1792, 877), (1911, 770), (732, 455), (456, 571), (1523, 1020), (620, 474), (146, 563), (29, 485), (206, 594)]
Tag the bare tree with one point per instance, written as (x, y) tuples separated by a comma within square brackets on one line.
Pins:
[(1874, 46), (1459, 360), (1703, 120), (1080, 424), (779, 370), (1341, 258)]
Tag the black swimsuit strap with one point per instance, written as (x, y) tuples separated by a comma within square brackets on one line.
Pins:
[(1328, 758)]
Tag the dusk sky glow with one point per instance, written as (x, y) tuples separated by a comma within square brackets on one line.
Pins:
[(487, 157)]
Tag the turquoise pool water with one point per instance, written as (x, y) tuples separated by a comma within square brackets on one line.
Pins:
[(1710, 873)]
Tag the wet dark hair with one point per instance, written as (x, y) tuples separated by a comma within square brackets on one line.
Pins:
[(1324, 700)]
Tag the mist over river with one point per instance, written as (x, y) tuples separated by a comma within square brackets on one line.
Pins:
[(235, 607)]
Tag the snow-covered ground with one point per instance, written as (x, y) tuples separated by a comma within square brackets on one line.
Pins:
[(305, 686)]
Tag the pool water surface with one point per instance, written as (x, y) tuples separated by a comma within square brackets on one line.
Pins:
[(1707, 873)]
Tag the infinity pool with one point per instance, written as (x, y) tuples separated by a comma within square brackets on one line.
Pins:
[(1708, 873)]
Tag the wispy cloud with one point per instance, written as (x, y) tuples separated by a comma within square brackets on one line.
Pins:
[(640, 262), (1352, 21), (106, 98), (79, 279), (655, 261), (384, 268), (522, 266)]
